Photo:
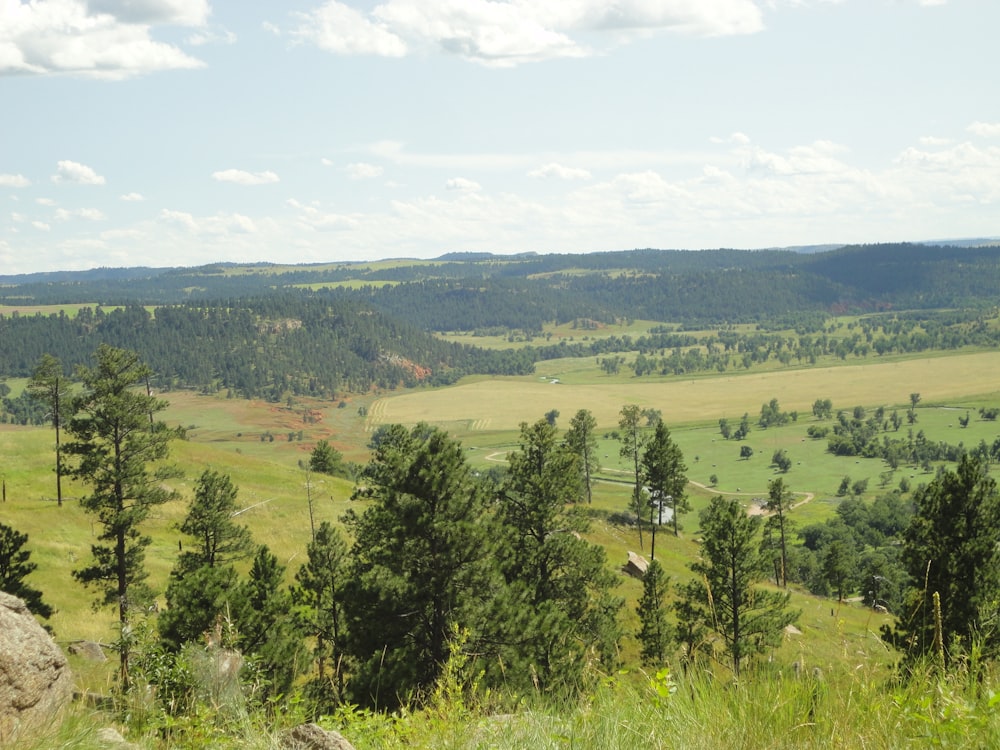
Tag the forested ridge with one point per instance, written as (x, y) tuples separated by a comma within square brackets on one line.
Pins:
[(266, 346), (268, 330)]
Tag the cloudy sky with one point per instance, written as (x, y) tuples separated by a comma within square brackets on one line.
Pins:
[(181, 132)]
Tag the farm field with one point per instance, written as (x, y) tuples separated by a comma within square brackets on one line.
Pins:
[(569, 385)]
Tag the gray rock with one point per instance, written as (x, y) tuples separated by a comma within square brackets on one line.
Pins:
[(88, 650), (35, 681), (111, 738), (314, 737)]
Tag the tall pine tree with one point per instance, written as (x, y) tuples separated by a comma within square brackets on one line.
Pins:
[(116, 440)]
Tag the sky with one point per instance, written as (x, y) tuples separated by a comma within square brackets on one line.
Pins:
[(185, 132)]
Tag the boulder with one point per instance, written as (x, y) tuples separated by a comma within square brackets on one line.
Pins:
[(35, 681), (314, 737), (87, 650), (636, 566)]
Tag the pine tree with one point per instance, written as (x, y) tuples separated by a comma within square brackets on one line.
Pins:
[(218, 539), (655, 633), (325, 459), (779, 502), (581, 439), (663, 474), (15, 567), (321, 596), (952, 548), (115, 439), (267, 632), (203, 584), (748, 619), (419, 558), (630, 427), (557, 604), (49, 385)]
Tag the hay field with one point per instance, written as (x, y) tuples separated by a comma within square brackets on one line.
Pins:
[(503, 403)]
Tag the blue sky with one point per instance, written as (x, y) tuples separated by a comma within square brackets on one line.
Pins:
[(181, 132)]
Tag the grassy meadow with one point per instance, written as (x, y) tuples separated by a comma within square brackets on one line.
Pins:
[(234, 436)]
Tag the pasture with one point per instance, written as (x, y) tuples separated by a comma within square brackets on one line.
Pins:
[(501, 404), (232, 436)]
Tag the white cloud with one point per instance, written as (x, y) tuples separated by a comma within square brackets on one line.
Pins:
[(102, 39), (219, 225), (45, 201), (461, 183), (326, 162), (90, 214), (985, 129), (81, 174), (363, 171), (934, 141), (503, 34), (241, 177), (131, 197), (211, 36), (14, 180), (41, 226), (174, 12), (313, 217), (560, 172), (343, 30)]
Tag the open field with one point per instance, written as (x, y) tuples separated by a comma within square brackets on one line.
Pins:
[(225, 434), (70, 309), (503, 403)]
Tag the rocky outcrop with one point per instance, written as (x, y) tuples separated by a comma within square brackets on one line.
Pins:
[(314, 737), (35, 681)]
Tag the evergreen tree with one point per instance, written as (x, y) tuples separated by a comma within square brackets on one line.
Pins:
[(49, 385), (582, 440), (630, 431), (267, 632), (663, 474), (840, 564), (203, 585), (218, 539), (15, 566), (655, 633), (321, 596), (748, 619), (952, 548), (779, 502), (115, 439), (325, 459), (557, 605), (418, 563)]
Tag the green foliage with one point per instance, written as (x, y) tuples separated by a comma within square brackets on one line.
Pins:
[(15, 566), (218, 539), (51, 387), (321, 598), (325, 459), (748, 619), (115, 439), (198, 600), (632, 440), (771, 415), (267, 631), (557, 606), (655, 634), (952, 549), (418, 566), (778, 526), (582, 440), (663, 473)]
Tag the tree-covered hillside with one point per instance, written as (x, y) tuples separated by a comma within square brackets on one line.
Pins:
[(268, 346)]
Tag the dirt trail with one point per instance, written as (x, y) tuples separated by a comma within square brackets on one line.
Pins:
[(753, 509)]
